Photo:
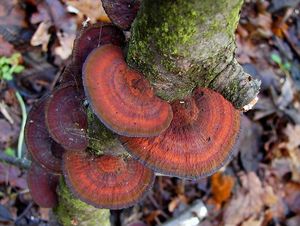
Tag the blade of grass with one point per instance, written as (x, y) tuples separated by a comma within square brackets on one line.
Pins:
[(24, 116)]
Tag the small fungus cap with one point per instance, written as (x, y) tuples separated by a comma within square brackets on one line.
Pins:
[(93, 36), (121, 12), (122, 99), (199, 141), (106, 181), (40, 145), (42, 186), (71, 73), (66, 118)]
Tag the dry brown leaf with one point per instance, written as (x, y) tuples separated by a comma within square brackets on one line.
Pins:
[(292, 197), (41, 35), (221, 186), (176, 202), (66, 45), (249, 200), (292, 146), (6, 49), (44, 213), (91, 8), (293, 132), (263, 24), (253, 222)]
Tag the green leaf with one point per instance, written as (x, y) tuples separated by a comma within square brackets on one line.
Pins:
[(287, 66), (14, 59), (10, 152), (276, 58), (7, 76), (4, 60), (18, 69), (5, 69)]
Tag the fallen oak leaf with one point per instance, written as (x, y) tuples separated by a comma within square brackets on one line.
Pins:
[(249, 200)]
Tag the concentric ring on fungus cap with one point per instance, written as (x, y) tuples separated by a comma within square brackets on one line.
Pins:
[(106, 181), (40, 145), (121, 98), (199, 141), (66, 117)]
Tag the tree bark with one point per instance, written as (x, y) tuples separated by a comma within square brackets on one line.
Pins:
[(180, 44), (71, 211)]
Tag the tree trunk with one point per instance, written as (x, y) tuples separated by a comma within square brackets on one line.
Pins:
[(71, 211), (177, 45), (180, 44)]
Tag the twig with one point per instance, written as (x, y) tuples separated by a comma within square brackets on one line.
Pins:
[(24, 116), (21, 163)]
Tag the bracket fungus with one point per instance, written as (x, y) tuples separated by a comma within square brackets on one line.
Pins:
[(41, 146), (121, 12), (42, 186), (189, 138), (198, 142), (122, 99), (93, 36), (71, 74), (89, 38), (66, 118), (106, 181)]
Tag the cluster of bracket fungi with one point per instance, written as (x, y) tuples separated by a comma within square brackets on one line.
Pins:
[(189, 138)]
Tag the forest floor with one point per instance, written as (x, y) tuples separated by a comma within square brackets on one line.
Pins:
[(260, 187)]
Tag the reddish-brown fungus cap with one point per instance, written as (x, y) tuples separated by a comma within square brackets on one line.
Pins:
[(93, 36), (38, 141), (198, 142), (106, 181), (122, 99), (66, 117), (42, 186), (121, 12), (71, 73)]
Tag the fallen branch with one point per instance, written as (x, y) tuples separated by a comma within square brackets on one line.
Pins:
[(21, 163)]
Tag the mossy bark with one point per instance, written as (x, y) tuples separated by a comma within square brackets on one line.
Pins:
[(71, 211), (181, 44)]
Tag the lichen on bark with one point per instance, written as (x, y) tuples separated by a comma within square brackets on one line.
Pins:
[(71, 211), (181, 44), (101, 140)]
